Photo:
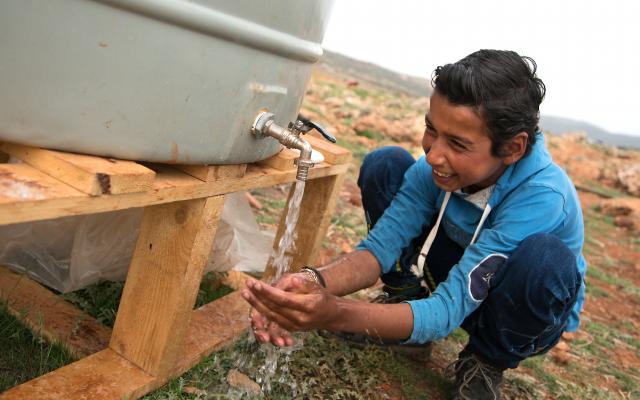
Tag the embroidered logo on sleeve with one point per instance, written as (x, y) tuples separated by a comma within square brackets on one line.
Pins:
[(481, 275)]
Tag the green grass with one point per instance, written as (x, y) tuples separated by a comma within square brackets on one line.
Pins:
[(321, 369), (24, 355), (358, 150), (607, 191), (370, 134), (362, 93), (100, 300)]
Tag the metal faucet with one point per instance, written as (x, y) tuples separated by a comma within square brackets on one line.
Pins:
[(264, 125)]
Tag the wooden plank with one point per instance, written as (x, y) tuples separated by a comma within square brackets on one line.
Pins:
[(107, 375), (103, 375), (163, 280), (179, 187), (21, 183), (333, 154), (89, 174), (317, 205), (282, 161), (51, 316), (235, 279), (208, 173), (213, 326)]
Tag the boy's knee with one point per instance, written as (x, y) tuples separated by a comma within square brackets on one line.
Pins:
[(382, 171), (543, 265), (388, 160)]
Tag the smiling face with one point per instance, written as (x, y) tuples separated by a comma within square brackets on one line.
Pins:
[(458, 148)]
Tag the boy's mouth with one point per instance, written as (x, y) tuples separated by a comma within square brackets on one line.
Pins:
[(442, 175)]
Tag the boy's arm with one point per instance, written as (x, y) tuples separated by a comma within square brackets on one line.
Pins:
[(351, 272)]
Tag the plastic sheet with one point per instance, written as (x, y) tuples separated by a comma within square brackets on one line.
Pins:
[(70, 253)]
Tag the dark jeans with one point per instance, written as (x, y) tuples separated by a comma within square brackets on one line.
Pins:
[(530, 298)]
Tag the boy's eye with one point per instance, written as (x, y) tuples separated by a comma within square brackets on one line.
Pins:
[(458, 146)]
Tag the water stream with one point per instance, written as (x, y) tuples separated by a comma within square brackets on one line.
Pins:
[(276, 360)]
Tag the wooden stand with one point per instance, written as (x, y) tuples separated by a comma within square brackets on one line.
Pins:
[(157, 334)]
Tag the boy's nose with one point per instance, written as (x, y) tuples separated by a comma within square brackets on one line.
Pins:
[(435, 156)]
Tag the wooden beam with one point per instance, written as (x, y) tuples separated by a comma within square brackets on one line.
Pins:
[(89, 174), (161, 287), (103, 375), (208, 173), (318, 203), (333, 154), (213, 326), (21, 183), (169, 187), (50, 316), (235, 279), (282, 161), (108, 375)]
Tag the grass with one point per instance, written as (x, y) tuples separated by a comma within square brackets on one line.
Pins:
[(321, 369), (370, 134), (24, 355)]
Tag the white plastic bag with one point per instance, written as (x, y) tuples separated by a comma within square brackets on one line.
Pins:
[(71, 253)]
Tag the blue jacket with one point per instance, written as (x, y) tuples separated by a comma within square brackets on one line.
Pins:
[(532, 196)]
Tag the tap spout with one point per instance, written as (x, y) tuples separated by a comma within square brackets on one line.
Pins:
[(264, 125)]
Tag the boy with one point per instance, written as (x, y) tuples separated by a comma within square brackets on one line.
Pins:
[(485, 221)]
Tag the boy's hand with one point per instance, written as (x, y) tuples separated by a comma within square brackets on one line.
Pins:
[(299, 304), (266, 331)]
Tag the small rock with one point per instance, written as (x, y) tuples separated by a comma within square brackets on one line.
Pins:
[(241, 381), (562, 346), (193, 390), (561, 357)]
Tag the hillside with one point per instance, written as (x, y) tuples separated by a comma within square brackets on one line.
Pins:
[(339, 64)]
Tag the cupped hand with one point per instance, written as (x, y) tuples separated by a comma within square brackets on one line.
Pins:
[(266, 331), (294, 304)]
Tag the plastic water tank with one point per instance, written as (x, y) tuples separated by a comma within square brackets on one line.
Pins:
[(170, 81)]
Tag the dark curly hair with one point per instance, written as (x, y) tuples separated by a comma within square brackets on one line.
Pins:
[(502, 86)]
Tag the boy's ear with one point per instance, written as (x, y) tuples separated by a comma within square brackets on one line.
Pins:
[(514, 148)]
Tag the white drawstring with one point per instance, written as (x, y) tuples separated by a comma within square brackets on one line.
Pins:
[(418, 268), (485, 214)]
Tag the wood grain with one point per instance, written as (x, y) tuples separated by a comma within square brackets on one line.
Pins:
[(89, 174), (170, 187), (162, 283), (51, 316)]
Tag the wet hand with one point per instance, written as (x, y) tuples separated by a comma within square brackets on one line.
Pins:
[(299, 304), (266, 331)]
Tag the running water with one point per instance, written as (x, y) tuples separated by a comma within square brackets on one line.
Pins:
[(274, 365), (281, 261)]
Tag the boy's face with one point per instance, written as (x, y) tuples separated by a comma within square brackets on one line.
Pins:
[(458, 148)]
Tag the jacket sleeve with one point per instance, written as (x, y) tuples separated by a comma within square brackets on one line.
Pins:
[(405, 218), (530, 210)]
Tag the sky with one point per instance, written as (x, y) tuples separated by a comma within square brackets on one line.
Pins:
[(588, 52)]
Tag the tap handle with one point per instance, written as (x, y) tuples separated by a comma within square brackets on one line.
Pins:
[(307, 125)]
